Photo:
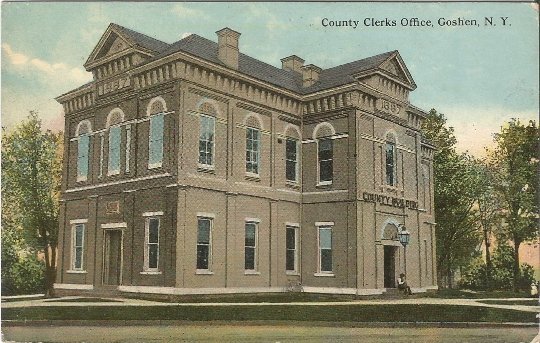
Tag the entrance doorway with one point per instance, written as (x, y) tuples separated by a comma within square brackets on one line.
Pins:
[(112, 258), (390, 266)]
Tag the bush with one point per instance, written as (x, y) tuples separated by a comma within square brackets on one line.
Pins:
[(22, 271), (502, 274)]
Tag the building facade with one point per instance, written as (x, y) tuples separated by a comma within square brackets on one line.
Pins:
[(191, 168)]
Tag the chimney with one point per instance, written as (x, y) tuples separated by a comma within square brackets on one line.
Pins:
[(292, 63), (228, 47), (310, 74)]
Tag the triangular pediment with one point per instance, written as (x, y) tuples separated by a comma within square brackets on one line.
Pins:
[(118, 41), (394, 67)]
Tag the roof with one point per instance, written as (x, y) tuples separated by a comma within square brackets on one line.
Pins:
[(207, 50), (140, 39)]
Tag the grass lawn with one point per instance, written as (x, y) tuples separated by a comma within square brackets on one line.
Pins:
[(332, 313), (524, 302), (464, 294), (83, 300)]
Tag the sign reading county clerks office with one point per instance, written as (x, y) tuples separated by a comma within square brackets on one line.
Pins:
[(390, 201)]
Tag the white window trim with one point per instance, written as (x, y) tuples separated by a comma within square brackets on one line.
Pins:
[(83, 178), (204, 165), (152, 214), (297, 165), (160, 163), (327, 182), (101, 153), (210, 217), (78, 221), (146, 268), (115, 171), (296, 228), (254, 271), (128, 148), (323, 225), (248, 173), (73, 247)]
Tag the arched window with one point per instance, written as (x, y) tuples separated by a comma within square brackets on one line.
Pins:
[(390, 163), (114, 119), (325, 152), (292, 153), (207, 127), (84, 129), (156, 110), (253, 144)]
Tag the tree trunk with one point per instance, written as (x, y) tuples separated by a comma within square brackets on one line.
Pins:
[(517, 273), (488, 260)]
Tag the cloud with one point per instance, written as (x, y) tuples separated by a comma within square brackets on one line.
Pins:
[(187, 13), (15, 58), (58, 71)]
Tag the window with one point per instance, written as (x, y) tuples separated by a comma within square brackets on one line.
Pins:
[(151, 255), (291, 249), (101, 144), (114, 150), (206, 140), (77, 247), (83, 149), (253, 138), (155, 145), (325, 155), (325, 249), (251, 246), (390, 164), (291, 160), (128, 146), (204, 243)]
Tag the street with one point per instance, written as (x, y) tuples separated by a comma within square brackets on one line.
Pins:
[(263, 333)]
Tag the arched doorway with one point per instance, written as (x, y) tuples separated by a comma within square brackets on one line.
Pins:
[(390, 243)]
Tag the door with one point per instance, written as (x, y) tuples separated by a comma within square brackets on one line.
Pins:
[(112, 266), (389, 266)]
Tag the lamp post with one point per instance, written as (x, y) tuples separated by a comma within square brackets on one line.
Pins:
[(404, 237)]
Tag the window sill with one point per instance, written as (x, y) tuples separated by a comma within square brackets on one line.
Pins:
[(155, 166), (115, 173), (292, 184), (151, 273), (251, 272), (82, 179), (324, 184), (204, 168), (204, 272), (253, 177), (292, 273), (76, 272), (324, 274)]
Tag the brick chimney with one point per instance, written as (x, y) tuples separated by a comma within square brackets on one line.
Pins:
[(228, 47), (310, 74), (292, 63)]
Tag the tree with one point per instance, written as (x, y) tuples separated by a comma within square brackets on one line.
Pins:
[(456, 190), (514, 163), (488, 213), (31, 173)]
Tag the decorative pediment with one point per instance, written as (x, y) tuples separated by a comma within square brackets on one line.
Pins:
[(117, 41), (392, 68), (396, 68)]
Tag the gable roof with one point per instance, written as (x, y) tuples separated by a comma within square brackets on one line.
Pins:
[(206, 49)]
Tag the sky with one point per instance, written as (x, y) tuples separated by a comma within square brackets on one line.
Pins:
[(478, 76)]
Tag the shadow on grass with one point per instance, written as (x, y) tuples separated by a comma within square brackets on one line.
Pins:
[(325, 313)]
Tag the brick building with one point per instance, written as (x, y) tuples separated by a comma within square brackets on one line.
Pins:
[(192, 168)]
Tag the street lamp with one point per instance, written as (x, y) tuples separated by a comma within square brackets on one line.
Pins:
[(404, 237)]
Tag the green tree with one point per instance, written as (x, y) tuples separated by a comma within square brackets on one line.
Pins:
[(456, 180), (514, 163), (31, 172)]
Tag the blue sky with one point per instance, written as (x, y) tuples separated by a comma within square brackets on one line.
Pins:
[(478, 76)]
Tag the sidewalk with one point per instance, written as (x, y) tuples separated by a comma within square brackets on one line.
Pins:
[(72, 301)]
